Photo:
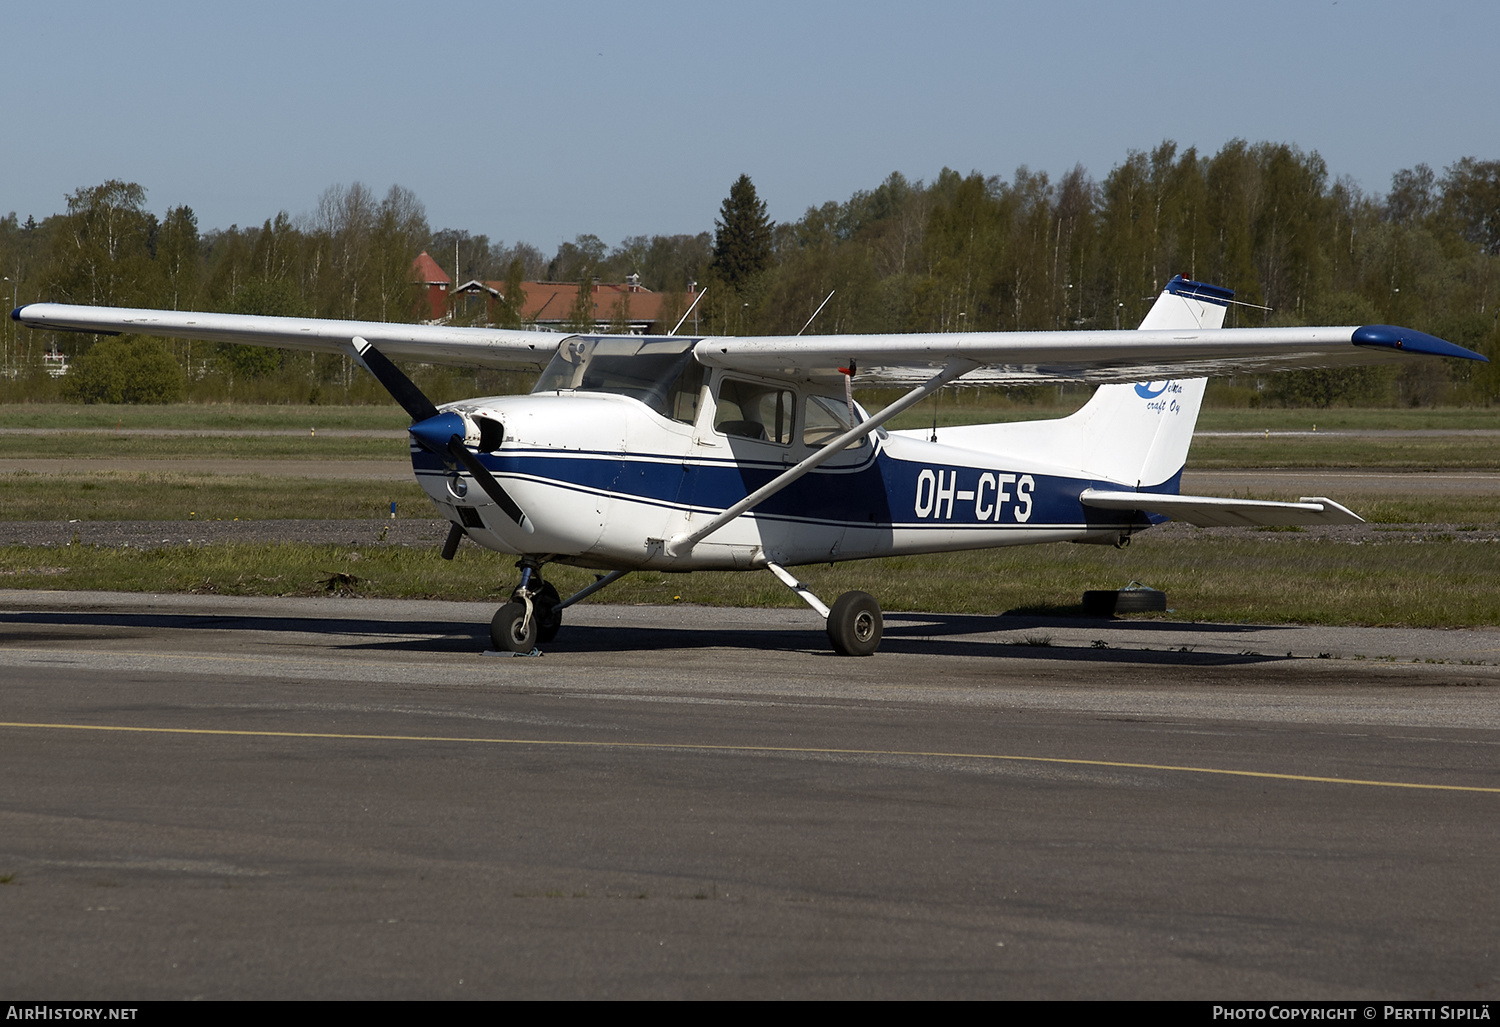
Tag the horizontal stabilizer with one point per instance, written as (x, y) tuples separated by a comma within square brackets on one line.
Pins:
[(1214, 512)]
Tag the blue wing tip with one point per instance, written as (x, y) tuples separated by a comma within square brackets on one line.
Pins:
[(15, 315), (1409, 340)]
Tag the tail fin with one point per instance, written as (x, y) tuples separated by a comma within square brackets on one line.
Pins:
[(1137, 435)]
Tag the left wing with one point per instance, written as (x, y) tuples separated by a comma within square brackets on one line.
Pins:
[(476, 347)]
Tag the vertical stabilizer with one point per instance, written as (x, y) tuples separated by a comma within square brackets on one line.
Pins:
[(1134, 434), (1139, 434), (1185, 304)]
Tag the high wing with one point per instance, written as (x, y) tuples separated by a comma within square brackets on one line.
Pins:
[(1020, 358), (1181, 337), (1159, 349), (432, 344)]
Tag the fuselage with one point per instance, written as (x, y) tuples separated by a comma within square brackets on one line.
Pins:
[(605, 479)]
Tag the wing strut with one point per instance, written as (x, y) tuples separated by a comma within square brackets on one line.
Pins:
[(680, 544)]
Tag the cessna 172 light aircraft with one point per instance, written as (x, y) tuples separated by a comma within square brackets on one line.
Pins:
[(683, 454)]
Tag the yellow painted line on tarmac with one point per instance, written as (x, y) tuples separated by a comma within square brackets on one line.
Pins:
[(299, 660), (791, 749)]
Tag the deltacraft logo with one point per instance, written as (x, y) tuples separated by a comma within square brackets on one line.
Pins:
[(1162, 395)]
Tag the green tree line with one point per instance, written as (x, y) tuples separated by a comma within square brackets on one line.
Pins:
[(958, 253), (976, 253)]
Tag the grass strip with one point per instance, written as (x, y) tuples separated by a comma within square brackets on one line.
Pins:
[(1348, 418), (1408, 581), (178, 496), (248, 416), (106, 446), (1400, 453), (182, 496)]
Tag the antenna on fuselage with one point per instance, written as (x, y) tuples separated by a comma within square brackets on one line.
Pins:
[(687, 312), (819, 310)]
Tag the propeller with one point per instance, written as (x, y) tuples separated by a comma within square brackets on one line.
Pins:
[(439, 433)]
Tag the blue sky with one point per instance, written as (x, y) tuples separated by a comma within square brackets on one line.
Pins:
[(538, 122)]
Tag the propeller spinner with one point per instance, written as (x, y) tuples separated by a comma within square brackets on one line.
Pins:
[(437, 432)]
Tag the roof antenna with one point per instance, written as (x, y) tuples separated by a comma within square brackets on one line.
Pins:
[(819, 310)]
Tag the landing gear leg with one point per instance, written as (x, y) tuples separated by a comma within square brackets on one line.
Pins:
[(534, 613), (854, 620)]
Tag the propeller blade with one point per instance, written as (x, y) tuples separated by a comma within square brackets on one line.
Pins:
[(439, 433), (402, 389), (455, 536), (493, 488)]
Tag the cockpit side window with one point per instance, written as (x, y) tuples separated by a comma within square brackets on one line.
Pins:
[(753, 410)]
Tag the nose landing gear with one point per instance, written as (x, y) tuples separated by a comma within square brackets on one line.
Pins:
[(533, 615)]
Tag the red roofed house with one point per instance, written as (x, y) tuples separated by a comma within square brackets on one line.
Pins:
[(435, 281), (552, 306)]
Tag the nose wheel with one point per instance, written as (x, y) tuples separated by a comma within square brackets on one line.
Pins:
[(533, 615)]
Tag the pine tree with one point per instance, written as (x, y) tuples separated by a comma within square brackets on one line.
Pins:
[(742, 239)]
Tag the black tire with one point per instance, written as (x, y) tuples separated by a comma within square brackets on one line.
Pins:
[(1108, 602), (506, 628), (855, 624), (545, 603)]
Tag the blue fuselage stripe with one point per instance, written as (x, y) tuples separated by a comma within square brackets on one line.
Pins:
[(879, 491)]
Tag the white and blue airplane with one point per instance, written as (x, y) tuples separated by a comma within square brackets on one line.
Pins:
[(683, 454)]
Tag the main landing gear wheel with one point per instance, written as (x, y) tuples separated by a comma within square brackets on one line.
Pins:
[(855, 624)]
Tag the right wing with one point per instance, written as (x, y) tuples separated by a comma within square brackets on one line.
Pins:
[(476, 347)]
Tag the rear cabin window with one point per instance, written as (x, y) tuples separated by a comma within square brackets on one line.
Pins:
[(825, 419)]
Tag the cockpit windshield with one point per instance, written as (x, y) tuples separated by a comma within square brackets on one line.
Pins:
[(661, 373)]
